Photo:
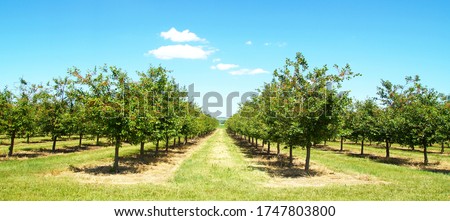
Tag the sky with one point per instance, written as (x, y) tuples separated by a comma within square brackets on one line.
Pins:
[(227, 46)]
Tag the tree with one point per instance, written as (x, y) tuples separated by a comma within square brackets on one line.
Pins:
[(417, 109), (303, 103), (54, 104), (16, 113), (443, 131), (364, 120), (308, 103), (110, 97), (344, 127), (77, 118)]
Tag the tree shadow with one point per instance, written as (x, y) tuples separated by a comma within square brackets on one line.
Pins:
[(431, 167), (443, 171), (136, 163), (380, 159), (271, 163), (400, 148), (21, 155)]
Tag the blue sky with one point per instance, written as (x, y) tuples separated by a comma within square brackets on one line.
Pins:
[(227, 46)]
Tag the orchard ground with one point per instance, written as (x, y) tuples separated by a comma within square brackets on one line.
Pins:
[(219, 167)]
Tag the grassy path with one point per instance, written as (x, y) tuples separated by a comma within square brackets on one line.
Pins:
[(218, 171)]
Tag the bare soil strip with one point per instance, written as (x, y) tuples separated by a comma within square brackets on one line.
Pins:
[(134, 169)]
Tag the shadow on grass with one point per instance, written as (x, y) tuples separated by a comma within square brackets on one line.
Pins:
[(22, 155), (135, 164), (431, 167), (30, 152), (433, 150), (443, 171), (273, 164)]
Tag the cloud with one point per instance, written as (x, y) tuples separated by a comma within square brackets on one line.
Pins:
[(281, 44), (216, 60), (246, 71), (224, 67), (184, 36), (180, 51), (278, 44), (248, 43)]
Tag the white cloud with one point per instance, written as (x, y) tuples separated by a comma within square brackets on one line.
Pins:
[(266, 44), (216, 60), (224, 67), (248, 43), (180, 51), (184, 36), (246, 71), (281, 44)]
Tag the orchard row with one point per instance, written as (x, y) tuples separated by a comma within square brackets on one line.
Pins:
[(104, 102), (304, 107)]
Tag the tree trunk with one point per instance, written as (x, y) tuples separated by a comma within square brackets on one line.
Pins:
[(308, 156), (253, 141), (411, 146), (179, 141), (157, 148), (98, 140), (387, 148), (362, 146), (141, 152), (167, 144), (325, 142), (11, 147), (54, 144), (268, 147), (256, 143), (116, 155), (28, 138), (442, 147), (342, 143), (174, 141), (291, 158), (185, 140), (278, 149), (81, 140), (425, 154), (263, 143)]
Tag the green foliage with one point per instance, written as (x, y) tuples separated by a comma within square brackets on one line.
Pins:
[(417, 112), (300, 105)]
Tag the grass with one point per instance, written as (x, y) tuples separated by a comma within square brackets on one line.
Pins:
[(218, 170)]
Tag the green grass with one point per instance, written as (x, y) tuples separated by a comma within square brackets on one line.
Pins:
[(203, 177)]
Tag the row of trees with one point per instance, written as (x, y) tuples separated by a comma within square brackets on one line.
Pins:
[(410, 114), (303, 107), (104, 102)]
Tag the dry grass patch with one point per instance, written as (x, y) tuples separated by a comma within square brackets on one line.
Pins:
[(220, 154)]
